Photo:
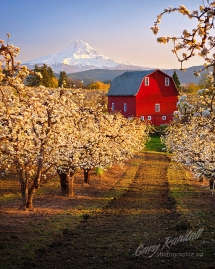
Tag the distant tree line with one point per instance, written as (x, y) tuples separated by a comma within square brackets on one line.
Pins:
[(191, 87), (47, 78)]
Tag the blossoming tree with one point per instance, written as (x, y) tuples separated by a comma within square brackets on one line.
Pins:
[(193, 145), (192, 138), (100, 140), (30, 125)]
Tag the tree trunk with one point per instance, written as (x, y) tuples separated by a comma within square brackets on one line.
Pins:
[(211, 183), (24, 192), (31, 191), (27, 195), (86, 176), (67, 182), (24, 187), (29, 204), (35, 185), (214, 74)]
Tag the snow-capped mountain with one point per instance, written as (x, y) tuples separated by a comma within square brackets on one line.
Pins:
[(79, 56)]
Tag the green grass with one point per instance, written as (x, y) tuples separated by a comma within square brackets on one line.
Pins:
[(154, 144)]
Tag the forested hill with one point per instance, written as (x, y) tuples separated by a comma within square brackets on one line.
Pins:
[(109, 75)]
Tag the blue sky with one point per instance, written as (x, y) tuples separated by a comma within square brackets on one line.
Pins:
[(119, 29)]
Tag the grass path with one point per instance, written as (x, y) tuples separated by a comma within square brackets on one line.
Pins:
[(153, 201), (144, 215)]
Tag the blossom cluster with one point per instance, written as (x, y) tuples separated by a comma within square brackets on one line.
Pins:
[(197, 40), (14, 74), (193, 144)]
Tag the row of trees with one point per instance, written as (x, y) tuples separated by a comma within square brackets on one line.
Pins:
[(192, 137), (192, 88), (48, 79), (51, 130)]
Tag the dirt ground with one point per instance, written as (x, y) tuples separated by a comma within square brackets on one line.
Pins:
[(137, 218)]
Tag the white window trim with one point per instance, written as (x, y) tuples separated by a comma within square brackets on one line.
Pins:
[(157, 108), (149, 117), (166, 81), (125, 107), (113, 106), (146, 81), (163, 117), (142, 117)]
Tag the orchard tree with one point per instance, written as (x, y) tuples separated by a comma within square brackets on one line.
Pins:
[(30, 124), (116, 141), (30, 130), (194, 145), (99, 140), (192, 137)]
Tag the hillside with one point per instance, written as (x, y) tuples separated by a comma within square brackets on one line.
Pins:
[(188, 75), (109, 75), (96, 74)]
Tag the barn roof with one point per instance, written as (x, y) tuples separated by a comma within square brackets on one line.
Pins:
[(128, 83)]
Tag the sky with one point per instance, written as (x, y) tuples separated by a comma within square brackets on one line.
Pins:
[(118, 29)]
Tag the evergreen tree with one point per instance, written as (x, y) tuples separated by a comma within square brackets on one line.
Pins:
[(63, 80), (176, 80), (34, 80), (47, 79)]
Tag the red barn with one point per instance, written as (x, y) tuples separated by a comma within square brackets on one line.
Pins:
[(150, 95)]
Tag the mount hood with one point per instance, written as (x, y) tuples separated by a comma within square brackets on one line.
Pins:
[(79, 56)]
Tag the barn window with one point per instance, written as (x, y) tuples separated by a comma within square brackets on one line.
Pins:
[(125, 107), (142, 117), (113, 107), (163, 117), (166, 81), (146, 81), (149, 117), (157, 107)]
